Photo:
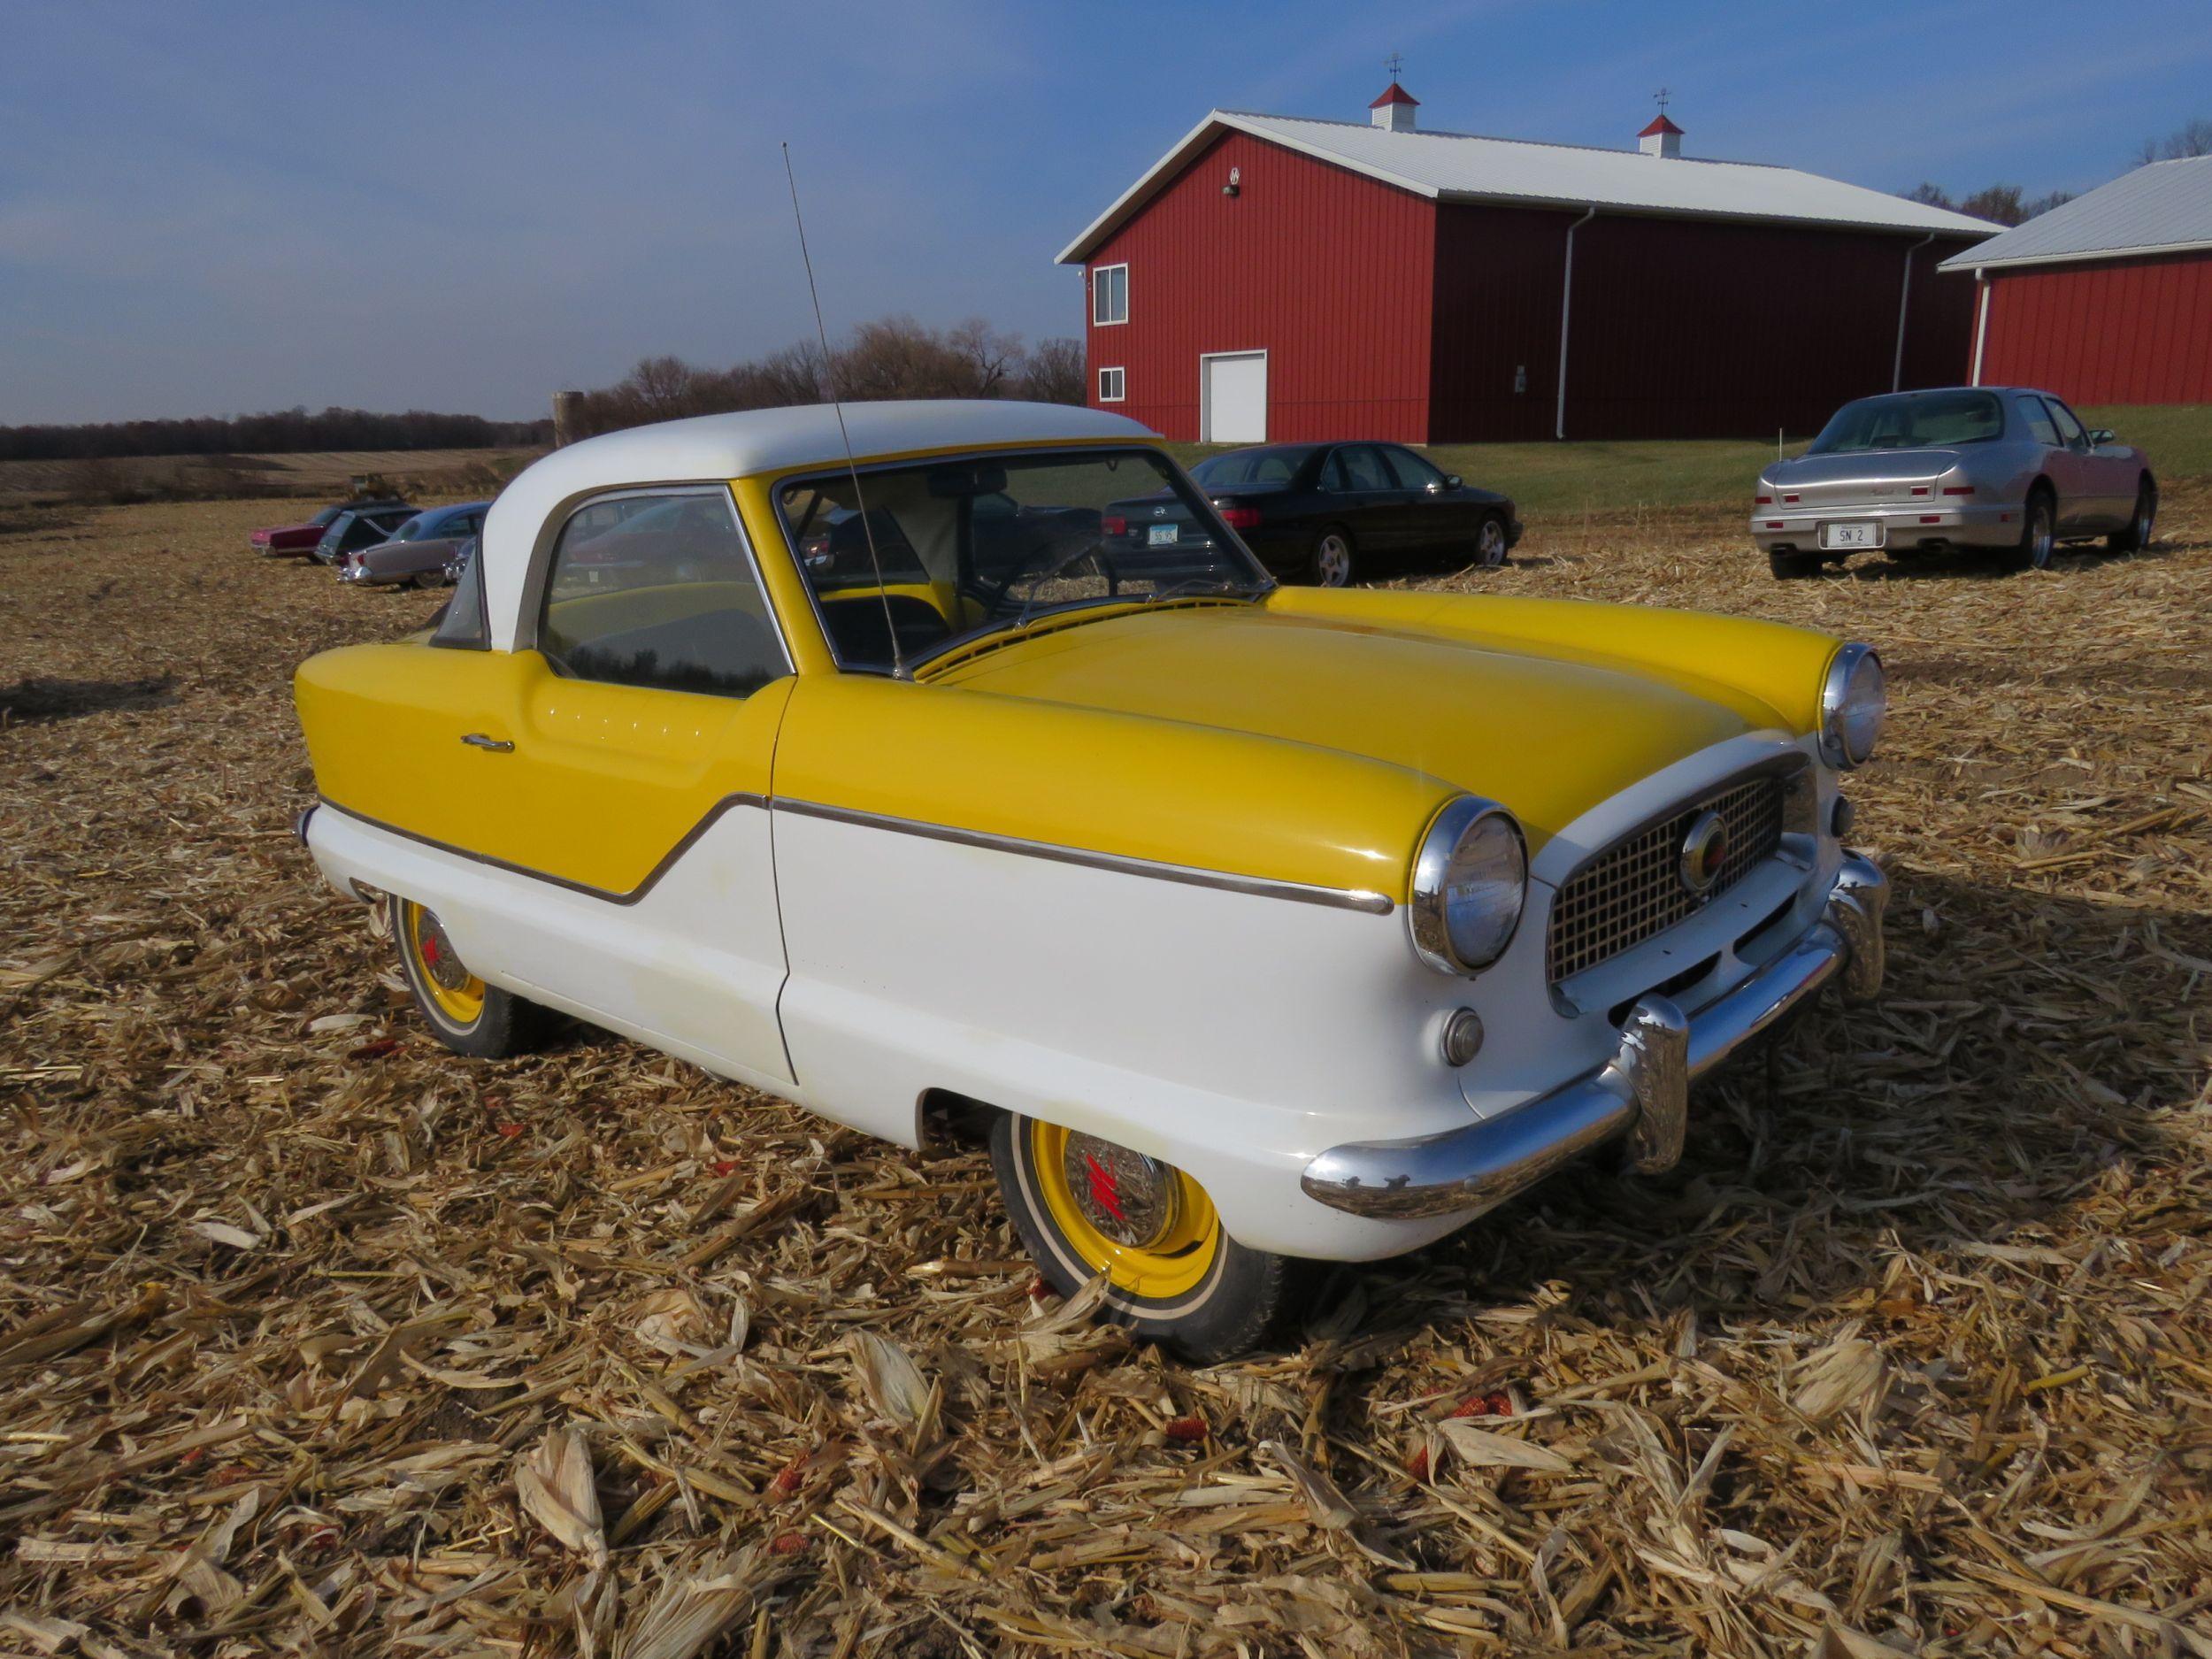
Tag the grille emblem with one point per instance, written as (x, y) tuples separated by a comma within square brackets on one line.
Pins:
[(1704, 851)]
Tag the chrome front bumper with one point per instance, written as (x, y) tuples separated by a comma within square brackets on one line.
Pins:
[(1642, 1092)]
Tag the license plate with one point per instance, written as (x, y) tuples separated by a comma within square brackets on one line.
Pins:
[(1164, 535), (1848, 536)]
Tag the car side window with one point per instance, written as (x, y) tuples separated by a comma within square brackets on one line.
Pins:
[(2041, 426), (1364, 467), (1412, 471), (657, 589), (2069, 430), (1333, 477)]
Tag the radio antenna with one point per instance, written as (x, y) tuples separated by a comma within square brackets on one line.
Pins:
[(852, 467)]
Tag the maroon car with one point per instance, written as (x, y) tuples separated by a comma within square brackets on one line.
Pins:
[(299, 541)]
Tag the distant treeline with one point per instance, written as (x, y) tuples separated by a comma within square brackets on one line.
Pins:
[(284, 432), (894, 356)]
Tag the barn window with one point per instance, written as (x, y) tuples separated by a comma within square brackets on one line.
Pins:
[(1113, 386), (1110, 295)]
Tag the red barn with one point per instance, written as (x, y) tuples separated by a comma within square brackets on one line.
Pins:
[(2105, 299), (1273, 277)]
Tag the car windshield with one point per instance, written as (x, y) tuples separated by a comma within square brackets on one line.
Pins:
[(1247, 468), (321, 520), (970, 548), (1911, 421), (413, 529)]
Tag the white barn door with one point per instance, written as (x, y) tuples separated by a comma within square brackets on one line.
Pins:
[(1233, 397)]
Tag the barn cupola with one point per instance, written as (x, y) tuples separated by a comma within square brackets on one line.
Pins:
[(1393, 110), (1663, 137)]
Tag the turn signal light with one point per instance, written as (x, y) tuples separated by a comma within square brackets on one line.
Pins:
[(1763, 501), (1240, 518)]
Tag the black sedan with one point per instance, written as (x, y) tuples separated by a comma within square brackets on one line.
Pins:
[(1327, 513)]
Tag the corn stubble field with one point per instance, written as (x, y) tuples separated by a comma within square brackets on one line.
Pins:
[(314, 1338)]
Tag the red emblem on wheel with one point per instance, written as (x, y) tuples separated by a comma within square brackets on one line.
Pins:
[(1105, 1190)]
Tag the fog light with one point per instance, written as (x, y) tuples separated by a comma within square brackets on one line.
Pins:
[(1841, 817), (1462, 1036)]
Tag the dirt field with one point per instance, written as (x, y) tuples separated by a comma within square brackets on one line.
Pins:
[(309, 474), (296, 1310)]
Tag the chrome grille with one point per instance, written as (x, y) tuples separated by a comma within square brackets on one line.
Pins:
[(1633, 890)]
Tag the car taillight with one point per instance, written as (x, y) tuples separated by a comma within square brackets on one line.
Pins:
[(1240, 518), (1958, 490), (1763, 501), (1789, 498), (1919, 490), (1114, 524)]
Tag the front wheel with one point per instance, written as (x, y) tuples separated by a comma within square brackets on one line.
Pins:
[(2137, 536), (1085, 1206), (463, 1012), (1490, 548), (1330, 563)]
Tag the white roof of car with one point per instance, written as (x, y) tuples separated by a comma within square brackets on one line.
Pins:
[(1463, 167), (714, 449), (2165, 207)]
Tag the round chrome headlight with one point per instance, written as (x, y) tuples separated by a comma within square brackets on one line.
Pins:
[(1469, 882), (1853, 700)]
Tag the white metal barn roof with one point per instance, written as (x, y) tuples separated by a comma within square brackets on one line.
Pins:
[(1462, 167), (2165, 207)]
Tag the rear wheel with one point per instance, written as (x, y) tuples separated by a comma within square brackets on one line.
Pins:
[(1490, 548), (1085, 1206), (1789, 566), (1330, 563), (463, 1012), (2038, 531), (2137, 533)]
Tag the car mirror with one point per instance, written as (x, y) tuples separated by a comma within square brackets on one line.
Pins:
[(2100, 434), (1452, 482)]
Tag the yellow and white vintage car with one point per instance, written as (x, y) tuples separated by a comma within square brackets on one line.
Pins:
[(1261, 925)]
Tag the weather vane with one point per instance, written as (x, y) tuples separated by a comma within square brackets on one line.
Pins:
[(1660, 97), (1395, 64)]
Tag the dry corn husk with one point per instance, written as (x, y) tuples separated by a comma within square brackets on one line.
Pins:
[(315, 1339)]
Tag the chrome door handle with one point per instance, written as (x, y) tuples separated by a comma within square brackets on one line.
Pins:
[(497, 745)]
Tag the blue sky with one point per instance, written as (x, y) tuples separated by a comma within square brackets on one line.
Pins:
[(214, 208)]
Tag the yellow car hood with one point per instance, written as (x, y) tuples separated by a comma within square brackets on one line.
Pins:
[(1547, 737)]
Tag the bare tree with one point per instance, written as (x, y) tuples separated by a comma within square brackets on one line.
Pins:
[(1999, 202), (1055, 372), (2193, 138), (1928, 195)]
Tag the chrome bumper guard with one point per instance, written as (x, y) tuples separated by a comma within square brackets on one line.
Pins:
[(1642, 1092)]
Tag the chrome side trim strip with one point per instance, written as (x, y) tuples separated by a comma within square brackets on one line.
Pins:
[(1258, 887), (668, 859)]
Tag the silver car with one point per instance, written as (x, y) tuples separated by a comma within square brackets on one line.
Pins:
[(2002, 468), (417, 554)]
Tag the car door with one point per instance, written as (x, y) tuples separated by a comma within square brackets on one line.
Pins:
[(2108, 480), (624, 763), (1366, 497), (1436, 516), (2057, 462)]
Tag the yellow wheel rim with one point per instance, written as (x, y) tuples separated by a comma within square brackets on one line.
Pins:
[(451, 987), (1147, 1225)]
